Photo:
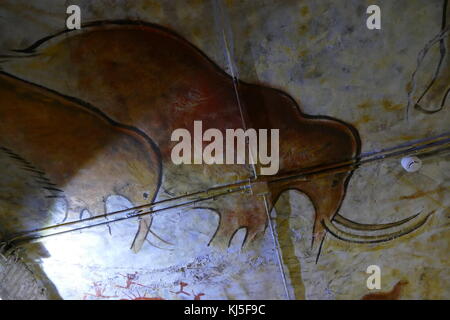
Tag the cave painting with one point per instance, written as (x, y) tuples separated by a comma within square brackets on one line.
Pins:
[(148, 81), (73, 152), (107, 289)]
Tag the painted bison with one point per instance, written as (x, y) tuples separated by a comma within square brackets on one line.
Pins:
[(144, 76)]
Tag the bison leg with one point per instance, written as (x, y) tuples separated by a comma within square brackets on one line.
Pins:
[(238, 211), (326, 194)]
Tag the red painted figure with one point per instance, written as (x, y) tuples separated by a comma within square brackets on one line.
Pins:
[(99, 290), (182, 285), (131, 277)]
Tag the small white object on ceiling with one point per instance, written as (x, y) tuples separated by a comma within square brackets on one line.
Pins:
[(411, 164)]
